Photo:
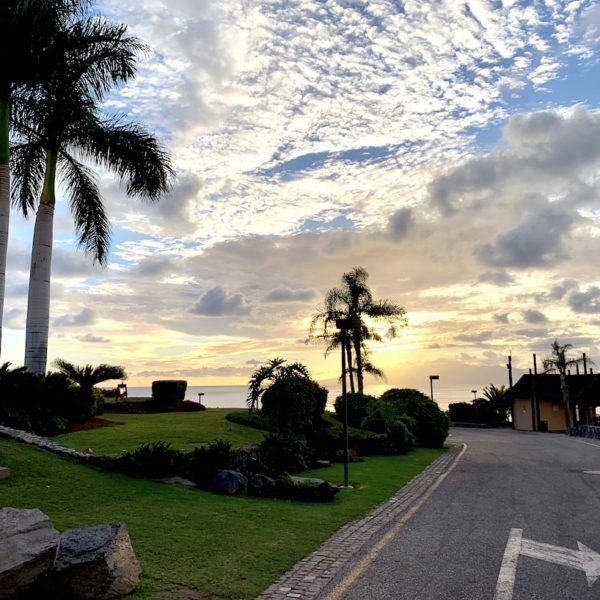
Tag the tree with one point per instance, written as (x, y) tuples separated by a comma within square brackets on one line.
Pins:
[(27, 27), (59, 125), (354, 300), (498, 401), (559, 363), (86, 378)]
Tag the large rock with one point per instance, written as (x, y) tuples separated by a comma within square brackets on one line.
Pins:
[(262, 486), (94, 562), (228, 483), (306, 488), (28, 544)]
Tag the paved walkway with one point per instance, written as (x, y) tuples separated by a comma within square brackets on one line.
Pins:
[(308, 578)]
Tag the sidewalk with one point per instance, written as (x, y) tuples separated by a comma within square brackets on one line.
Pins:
[(309, 577)]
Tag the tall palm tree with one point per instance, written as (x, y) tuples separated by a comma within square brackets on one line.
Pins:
[(26, 26), (354, 300), (559, 362), (497, 399), (60, 126)]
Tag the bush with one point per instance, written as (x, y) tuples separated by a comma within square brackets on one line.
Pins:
[(462, 412), (205, 462), (294, 403), (357, 408), (380, 416), (253, 419), (169, 392), (156, 459), (432, 423), (35, 403), (401, 438), (283, 454)]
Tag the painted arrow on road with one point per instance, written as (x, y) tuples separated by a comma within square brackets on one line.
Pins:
[(585, 559)]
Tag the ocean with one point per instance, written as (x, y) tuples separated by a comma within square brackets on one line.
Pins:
[(234, 396)]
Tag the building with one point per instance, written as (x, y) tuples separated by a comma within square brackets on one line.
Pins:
[(538, 404)]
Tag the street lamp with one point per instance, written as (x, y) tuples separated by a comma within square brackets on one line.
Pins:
[(474, 392), (431, 378), (345, 325)]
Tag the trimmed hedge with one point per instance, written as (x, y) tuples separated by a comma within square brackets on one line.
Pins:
[(169, 392)]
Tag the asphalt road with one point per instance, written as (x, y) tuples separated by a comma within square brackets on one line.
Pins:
[(529, 487)]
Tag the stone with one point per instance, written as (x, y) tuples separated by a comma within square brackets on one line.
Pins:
[(306, 488), (353, 456), (94, 562), (28, 544), (179, 481), (321, 463), (4, 472), (228, 483), (262, 486)]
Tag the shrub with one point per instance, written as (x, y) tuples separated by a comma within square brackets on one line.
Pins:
[(156, 459), (279, 454), (400, 437), (204, 462), (432, 422), (169, 392), (253, 419), (380, 416), (357, 408), (462, 412), (294, 403)]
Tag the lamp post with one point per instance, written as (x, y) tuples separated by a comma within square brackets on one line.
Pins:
[(431, 378), (344, 325), (474, 392)]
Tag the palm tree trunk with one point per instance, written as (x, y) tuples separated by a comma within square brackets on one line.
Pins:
[(4, 198), (350, 368), (359, 363), (564, 389), (38, 301)]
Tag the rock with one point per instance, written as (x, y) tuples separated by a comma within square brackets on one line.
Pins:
[(307, 489), (320, 464), (94, 562), (353, 456), (229, 483), (28, 544), (180, 481), (262, 486), (4, 472)]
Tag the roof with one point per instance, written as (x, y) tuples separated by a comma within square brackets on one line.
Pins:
[(547, 387)]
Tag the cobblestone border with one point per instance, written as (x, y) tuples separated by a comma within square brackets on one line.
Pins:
[(43, 442), (309, 577)]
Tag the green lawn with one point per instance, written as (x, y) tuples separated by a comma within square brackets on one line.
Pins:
[(183, 430), (233, 547)]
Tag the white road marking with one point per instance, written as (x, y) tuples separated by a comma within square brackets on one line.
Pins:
[(592, 472), (508, 570), (584, 559), (588, 443)]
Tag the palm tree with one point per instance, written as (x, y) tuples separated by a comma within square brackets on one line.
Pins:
[(559, 362), (26, 28), (497, 399), (354, 300), (59, 126)]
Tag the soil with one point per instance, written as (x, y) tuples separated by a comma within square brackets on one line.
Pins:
[(92, 423)]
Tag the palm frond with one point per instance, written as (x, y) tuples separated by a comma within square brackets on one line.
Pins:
[(27, 165), (91, 220), (133, 153)]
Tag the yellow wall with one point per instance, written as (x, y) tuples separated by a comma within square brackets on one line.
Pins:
[(554, 413)]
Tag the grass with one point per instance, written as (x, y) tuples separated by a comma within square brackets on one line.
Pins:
[(184, 431), (232, 547)]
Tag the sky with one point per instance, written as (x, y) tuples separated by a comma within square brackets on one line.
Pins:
[(450, 148)]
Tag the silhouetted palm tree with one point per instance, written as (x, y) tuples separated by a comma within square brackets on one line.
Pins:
[(559, 363), (497, 399), (60, 126), (354, 300), (26, 28)]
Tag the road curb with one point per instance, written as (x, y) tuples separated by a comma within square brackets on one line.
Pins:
[(310, 577)]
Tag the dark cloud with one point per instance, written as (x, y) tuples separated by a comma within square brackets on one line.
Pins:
[(155, 266), (85, 317), (587, 302), (532, 333), (482, 336), (501, 318), (14, 318), (499, 278), (536, 242), (88, 338), (217, 303), (534, 317), (287, 295), (401, 223), (558, 291)]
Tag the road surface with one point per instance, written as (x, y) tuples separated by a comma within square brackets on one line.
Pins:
[(518, 518)]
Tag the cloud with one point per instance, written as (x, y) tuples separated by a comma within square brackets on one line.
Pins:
[(534, 317), (224, 371), (217, 303), (401, 223), (14, 318), (536, 242), (474, 338), (587, 302), (86, 317), (501, 318), (283, 294), (500, 278), (89, 338)]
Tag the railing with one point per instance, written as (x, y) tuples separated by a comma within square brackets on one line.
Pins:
[(586, 431)]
